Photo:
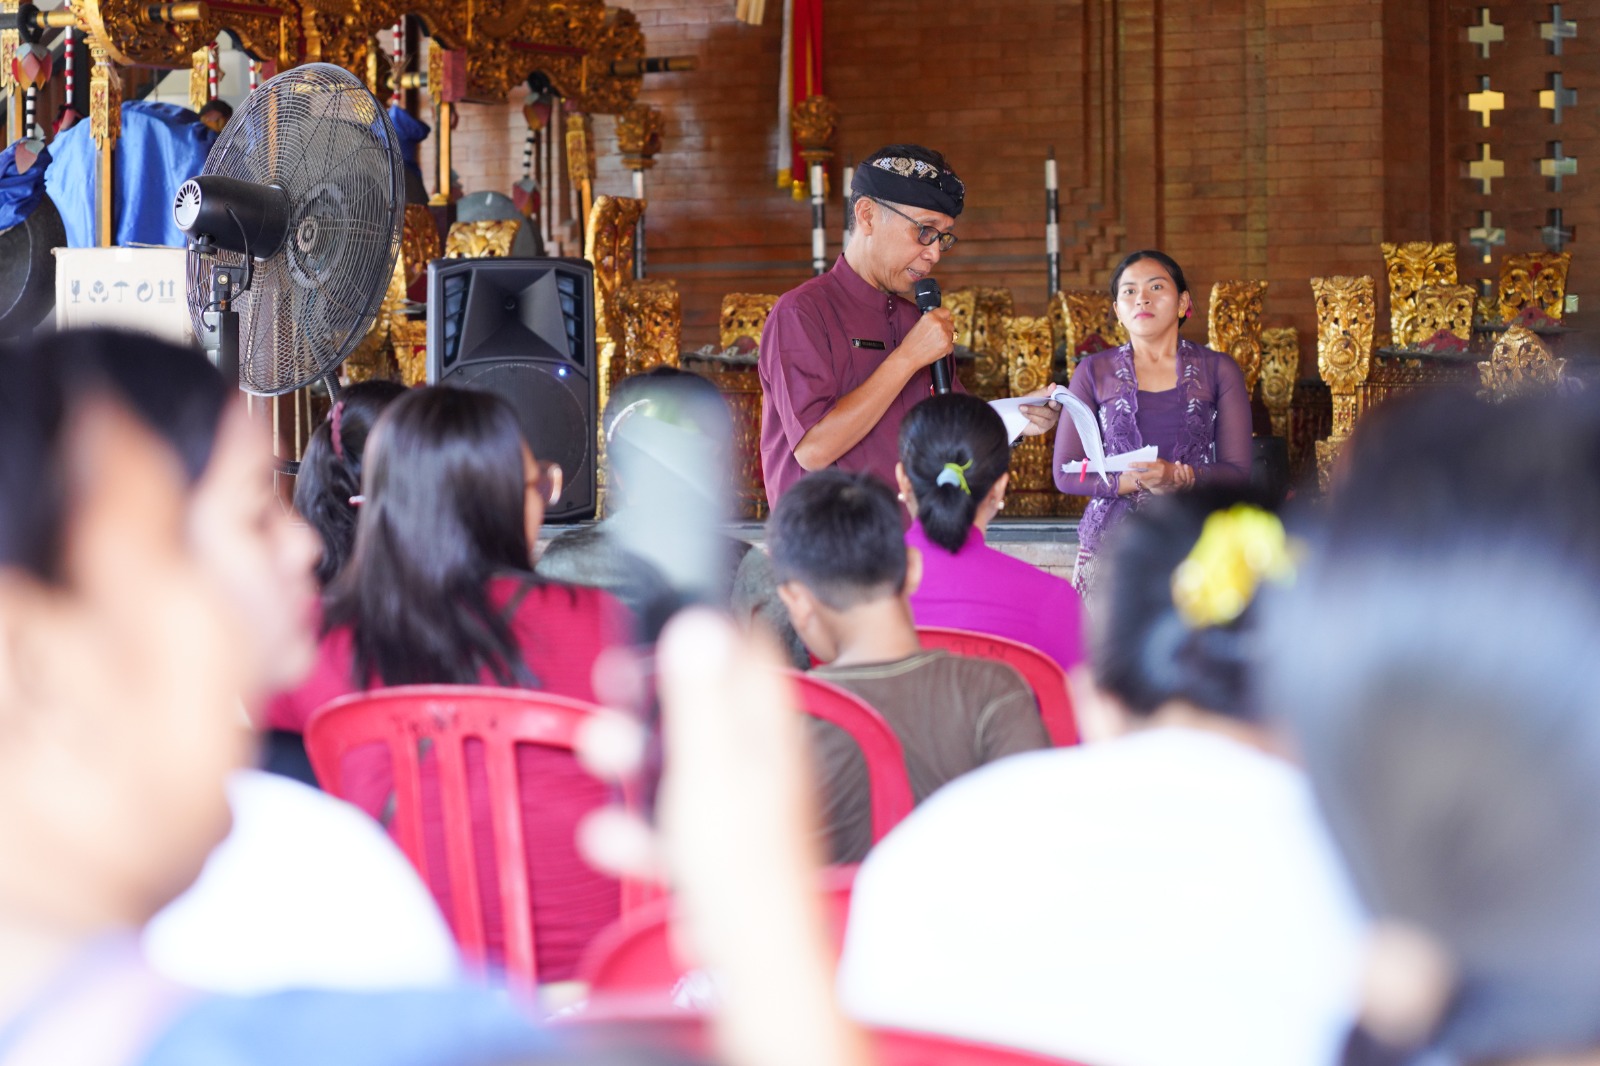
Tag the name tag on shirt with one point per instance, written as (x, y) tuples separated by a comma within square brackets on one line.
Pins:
[(857, 342)]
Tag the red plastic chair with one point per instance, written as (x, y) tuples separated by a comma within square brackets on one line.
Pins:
[(896, 1047), (633, 961), (892, 798), (1042, 673), (407, 720)]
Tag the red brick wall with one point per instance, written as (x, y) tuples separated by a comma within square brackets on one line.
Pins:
[(1251, 138)]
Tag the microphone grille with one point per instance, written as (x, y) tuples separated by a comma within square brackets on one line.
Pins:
[(927, 293)]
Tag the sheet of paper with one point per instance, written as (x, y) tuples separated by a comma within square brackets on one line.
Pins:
[(1115, 463), (1010, 410)]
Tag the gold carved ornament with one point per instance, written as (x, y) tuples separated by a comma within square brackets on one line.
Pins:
[(980, 317), (814, 120), (1534, 279), (1280, 366), (1346, 313), (1027, 349), (1435, 308), (608, 245), (394, 346), (652, 319), (1520, 363), (590, 52), (744, 314), (639, 136), (1410, 266), (1077, 316), (484, 239), (1235, 325)]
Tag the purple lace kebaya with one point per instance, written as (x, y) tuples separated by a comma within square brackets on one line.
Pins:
[(1204, 422)]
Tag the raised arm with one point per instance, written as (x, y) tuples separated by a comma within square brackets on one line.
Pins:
[(832, 425), (1234, 452)]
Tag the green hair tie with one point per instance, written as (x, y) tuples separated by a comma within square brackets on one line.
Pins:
[(955, 474)]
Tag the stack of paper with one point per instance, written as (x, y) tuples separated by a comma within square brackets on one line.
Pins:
[(1083, 420)]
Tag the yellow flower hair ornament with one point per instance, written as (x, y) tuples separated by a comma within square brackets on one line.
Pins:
[(1238, 549)]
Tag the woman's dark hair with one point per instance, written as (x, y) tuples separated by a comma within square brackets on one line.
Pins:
[(1435, 660), (840, 536), (175, 392), (443, 512), (955, 428), (1145, 654), (1167, 262), (330, 472)]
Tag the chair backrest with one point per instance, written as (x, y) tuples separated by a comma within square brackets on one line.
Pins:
[(892, 798), (440, 719), (635, 962), (1042, 673)]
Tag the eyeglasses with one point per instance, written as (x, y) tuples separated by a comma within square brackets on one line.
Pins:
[(547, 481), (926, 234)]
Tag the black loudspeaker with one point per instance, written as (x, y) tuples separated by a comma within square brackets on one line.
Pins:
[(523, 329)]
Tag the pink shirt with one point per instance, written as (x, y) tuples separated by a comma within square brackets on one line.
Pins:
[(988, 591)]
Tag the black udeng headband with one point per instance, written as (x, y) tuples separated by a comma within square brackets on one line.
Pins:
[(911, 182)]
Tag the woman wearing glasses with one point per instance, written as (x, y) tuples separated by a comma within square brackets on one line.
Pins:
[(1187, 400), (845, 356), (440, 590)]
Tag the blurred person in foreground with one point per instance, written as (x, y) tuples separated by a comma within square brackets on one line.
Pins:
[(305, 891), (123, 654), (1434, 656), (1164, 895)]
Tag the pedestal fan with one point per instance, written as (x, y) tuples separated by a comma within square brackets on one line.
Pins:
[(293, 229)]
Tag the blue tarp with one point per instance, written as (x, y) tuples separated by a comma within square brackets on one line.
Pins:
[(20, 193), (161, 147)]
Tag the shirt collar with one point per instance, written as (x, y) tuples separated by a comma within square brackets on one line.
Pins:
[(858, 288)]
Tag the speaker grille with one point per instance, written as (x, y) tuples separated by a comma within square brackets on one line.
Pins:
[(554, 412)]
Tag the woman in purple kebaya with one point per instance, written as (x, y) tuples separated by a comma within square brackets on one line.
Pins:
[(1187, 400)]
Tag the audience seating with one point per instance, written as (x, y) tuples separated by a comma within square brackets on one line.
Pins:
[(634, 960), (892, 798), (442, 719), (1042, 673)]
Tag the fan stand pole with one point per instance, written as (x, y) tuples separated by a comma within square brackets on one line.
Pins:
[(221, 340), (331, 380)]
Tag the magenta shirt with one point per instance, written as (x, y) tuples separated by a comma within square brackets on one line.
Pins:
[(988, 591), (823, 340)]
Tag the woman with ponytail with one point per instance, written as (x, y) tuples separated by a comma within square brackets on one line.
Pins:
[(952, 475), (330, 471)]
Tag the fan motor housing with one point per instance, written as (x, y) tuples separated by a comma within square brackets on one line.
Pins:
[(239, 216)]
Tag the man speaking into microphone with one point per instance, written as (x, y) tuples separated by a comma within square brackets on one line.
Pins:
[(847, 354)]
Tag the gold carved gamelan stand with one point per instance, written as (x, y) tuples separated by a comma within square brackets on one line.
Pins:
[(1082, 323), (1345, 316), (1520, 363), (1234, 325), (1029, 351), (1412, 267), (733, 371)]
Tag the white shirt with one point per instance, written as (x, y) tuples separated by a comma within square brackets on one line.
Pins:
[(306, 891), (1169, 898)]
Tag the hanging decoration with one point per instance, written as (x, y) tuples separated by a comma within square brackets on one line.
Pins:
[(799, 79), (69, 115)]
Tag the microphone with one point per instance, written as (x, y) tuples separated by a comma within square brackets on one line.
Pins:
[(928, 297)]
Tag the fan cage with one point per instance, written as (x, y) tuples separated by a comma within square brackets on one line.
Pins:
[(316, 132)]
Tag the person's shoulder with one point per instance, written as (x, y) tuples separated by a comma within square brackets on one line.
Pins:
[(460, 1026), (1220, 363), (978, 680)]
